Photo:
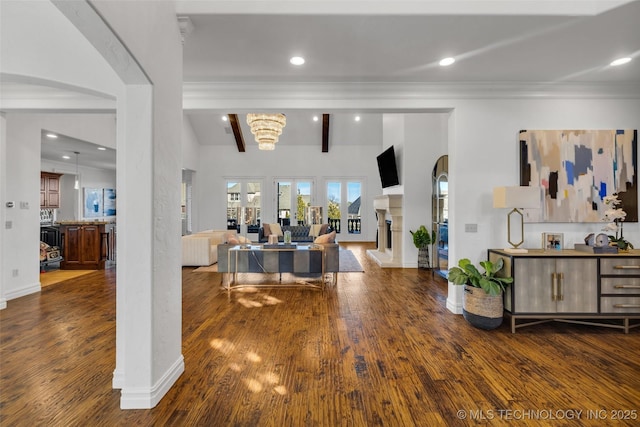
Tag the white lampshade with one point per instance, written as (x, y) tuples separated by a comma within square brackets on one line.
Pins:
[(517, 197)]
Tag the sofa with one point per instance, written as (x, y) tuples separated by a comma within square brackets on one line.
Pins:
[(299, 233), (200, 249)]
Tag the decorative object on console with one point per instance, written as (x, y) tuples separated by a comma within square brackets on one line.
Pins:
[(482, 299), (422, 239), (577, 168), (266, 128), (516, 198), (596, 244), (552, 241), (616, 216)]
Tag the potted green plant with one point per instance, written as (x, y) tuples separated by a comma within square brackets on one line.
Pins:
[(482, 304), (422, 239)]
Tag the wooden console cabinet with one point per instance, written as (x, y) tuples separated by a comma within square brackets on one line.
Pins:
[(86, 246), (572, 286), (50, 190)]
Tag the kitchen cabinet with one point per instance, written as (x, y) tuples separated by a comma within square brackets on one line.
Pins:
[(86, 246), (50, 190), (571, 286)]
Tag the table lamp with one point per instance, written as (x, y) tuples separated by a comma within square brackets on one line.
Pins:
[(516, 198)]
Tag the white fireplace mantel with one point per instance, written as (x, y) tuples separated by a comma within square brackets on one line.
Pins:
[(388, 206)]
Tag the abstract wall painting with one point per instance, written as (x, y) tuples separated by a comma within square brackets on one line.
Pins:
[(109, 199), (92, 203), (577, 169)]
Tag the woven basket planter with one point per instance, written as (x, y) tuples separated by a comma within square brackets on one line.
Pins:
[(482, 310), (423, 258)]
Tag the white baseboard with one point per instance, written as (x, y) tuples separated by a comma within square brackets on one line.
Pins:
[(117, 382), (3, 303), (27, 290), (454, 307), (454, 298), (147, 398)]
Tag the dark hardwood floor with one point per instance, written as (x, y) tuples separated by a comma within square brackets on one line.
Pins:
[(378, 349)]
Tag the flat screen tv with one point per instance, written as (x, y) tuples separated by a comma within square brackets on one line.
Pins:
[(387, 168)]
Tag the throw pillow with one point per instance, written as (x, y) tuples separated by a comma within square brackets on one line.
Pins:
[(314, 230), (233, 241), (276, 229), (243, 239), (228, 236), (323, 229), (266, 229), (326, 238)]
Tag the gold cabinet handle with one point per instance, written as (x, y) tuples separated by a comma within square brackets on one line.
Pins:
[(627, 286), (560, 285), (626, 305), (626, 267), (554, 286)]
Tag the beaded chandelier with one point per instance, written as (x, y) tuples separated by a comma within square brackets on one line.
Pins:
[(266, 128)]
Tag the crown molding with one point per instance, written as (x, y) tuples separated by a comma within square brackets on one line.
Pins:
[(21, 94), (215, 95), (399, 7)]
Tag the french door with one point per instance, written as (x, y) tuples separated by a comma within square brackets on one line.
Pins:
[(292, 196)]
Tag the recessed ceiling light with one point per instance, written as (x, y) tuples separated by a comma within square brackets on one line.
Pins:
[(620, 61), (66, 157), (297, 60), (315, 118), (52, 135), (357, 118), (225, 118), (102, 149), (447, 61)]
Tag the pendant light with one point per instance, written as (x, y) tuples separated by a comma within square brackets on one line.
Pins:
[(76, 185)]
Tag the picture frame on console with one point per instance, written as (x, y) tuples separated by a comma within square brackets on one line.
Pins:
[(552, 241)]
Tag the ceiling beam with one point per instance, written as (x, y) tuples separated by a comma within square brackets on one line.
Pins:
[(237, 132), (325, 133)]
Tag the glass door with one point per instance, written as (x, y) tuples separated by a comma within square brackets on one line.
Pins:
[(292, 197)]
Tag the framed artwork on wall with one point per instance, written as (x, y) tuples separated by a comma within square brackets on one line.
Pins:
[(109, 199), (552, 241), (577, 169), (93, 203)]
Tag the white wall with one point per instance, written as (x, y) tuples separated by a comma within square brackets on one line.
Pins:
[(426, 139), (485, 154), (20, 270), (148, 347), (190, 148), (71, 199), (28, 56), (219, 163)]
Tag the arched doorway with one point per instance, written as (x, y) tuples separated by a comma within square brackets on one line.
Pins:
[(440, 215)]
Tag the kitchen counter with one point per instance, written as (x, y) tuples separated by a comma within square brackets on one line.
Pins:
[(87, 245), (88, 222)]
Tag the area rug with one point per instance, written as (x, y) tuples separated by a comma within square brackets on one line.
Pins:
[(207, 269), (56, 276), (348, 264)]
